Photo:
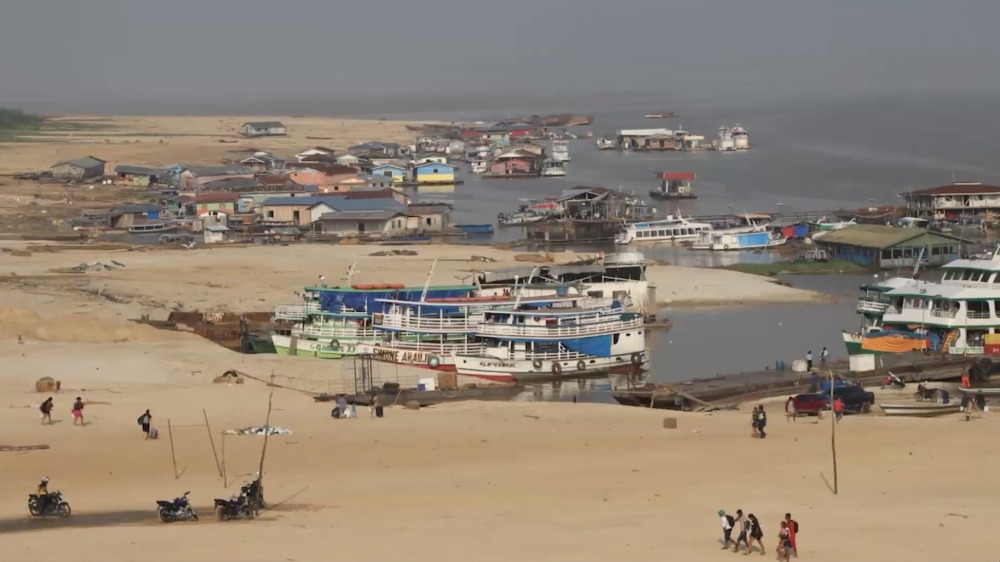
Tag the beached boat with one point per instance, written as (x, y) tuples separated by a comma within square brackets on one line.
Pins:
[(553, 169), (670, 229), (545, 345), (152, 227), (920, 410), (956, 315), (674, 185), (519, 218), (605, 143)]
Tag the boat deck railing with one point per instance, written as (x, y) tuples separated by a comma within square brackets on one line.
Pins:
[(872, 305), (295, 311), (336, 332), (406, 323), (562, 331), (442, 348), (966, 350)]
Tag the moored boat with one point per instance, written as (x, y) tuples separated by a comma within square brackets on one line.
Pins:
[(553, 168), (674, 185), (670, 229), (605, 143), (152, 227)]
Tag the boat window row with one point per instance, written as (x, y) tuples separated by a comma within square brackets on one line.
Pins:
[(668, 232), (971, 275)]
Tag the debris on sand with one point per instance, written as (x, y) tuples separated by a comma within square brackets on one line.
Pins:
[(533, 258), (259, 430), (484, 259), (99, 266), (385, 253)]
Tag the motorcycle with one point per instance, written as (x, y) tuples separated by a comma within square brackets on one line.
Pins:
[(236, 507), (177, 510), (925, 393), (50, 504), (893, 381)]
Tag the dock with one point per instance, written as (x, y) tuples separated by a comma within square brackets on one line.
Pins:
[(727, 391)]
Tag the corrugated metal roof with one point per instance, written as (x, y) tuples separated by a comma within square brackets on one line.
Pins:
[(217, 171), (217, 228), (264, 124), (85, 162), (875, 236), (351, 216), (138, 170), (959, 189), (645, 132), (135, 209), (337, 202)]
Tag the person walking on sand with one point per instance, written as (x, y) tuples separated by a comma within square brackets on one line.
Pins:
[(761, 421), (744, 528), (823, 356), (790, 413), (809, 361), (145, 420), (78, 411), (753, 421), (838, 408), (784, 546), (756, 535), (46, 409), (727, 528), (793, 530)]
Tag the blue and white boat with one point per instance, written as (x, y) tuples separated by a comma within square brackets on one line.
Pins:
[(545, 345), (753, 236)]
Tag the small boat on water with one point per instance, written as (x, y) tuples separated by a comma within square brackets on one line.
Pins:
[(605, 143), (664, 115), (920, 410), (152, 227), (725, 142), (741, 139), (553, 169)]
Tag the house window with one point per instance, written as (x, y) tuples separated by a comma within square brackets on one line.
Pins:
[(434, 170), (428, 221), (387, 173), (270, 214)]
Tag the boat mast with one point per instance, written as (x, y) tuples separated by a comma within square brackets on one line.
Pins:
[(427, 282)]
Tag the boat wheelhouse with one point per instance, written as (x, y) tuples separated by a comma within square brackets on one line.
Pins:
[(553, 169), (560, 151), (670, 229)]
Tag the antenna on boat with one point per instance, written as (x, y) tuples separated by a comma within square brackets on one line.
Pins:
[(427, 282)]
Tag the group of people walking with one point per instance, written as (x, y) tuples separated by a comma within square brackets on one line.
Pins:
[(750, 532), (145, 420)]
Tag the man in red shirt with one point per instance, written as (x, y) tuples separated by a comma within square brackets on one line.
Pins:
[(838, 408), (793, 529)]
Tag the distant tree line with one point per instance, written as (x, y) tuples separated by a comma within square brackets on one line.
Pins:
[(15, 119)]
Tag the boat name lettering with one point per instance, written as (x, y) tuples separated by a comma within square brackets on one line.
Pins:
[(503, 364), (395, 356)]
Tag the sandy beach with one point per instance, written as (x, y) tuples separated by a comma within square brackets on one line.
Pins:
[(485, 481)]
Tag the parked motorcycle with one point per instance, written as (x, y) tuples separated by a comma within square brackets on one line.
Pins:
[(236, 507), (893, 381), (177, 510), (925, 393), (50, 504), (254, 492)]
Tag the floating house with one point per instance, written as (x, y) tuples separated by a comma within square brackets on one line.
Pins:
[(433, 173), (263, 129), (84, 168), (515, 163), (138, 175), (886, 247), (386, 222), (954, 201), (647, 139), (397, 172)]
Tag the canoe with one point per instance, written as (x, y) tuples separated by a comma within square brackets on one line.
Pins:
[(920, 410)]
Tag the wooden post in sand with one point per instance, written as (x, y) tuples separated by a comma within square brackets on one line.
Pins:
[(267, 427), (833, 434), (212, 441), (225, 478), (173, 455)]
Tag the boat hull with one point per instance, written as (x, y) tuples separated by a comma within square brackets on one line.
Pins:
[(918, 411), (427, 359), (318, 348), (538, 370)]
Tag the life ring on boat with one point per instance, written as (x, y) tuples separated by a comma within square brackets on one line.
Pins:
[(334, 345), (581, 365), (556, 368), (433, 361), (537, 363), (637, 358), (726, 247)]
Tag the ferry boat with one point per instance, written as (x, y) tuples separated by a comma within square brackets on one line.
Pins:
[(725, 142), (152, 227), (724, 241), (958, 315), (527, 346), (429, 333), (741, 139), (553, 168), (670, 229), (560, 151)]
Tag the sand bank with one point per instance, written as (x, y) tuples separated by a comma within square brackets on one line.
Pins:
[(569, 481)]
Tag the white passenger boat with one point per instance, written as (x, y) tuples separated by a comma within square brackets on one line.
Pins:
[(560, 151), (553, 169), (741, 139), (670, 229)]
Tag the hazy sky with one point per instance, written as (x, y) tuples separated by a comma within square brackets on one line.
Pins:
[(55, 53)]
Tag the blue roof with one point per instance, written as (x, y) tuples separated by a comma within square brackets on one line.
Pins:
[(337, 202)]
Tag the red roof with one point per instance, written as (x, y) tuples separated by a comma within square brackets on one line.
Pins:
[(216, 197), (273, 180), (676, 176), (959, 189)]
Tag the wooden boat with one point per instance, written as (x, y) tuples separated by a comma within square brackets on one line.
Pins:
[(390, 395), (920, 410), (151, 227)]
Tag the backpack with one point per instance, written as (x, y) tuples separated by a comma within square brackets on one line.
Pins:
[(796, 524), (140, 419), (730, 520)]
